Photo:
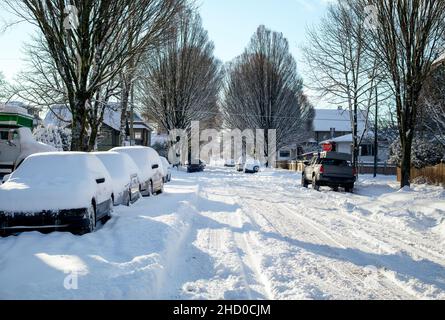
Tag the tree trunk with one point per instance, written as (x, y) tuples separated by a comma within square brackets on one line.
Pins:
[(405, 166), (124, 108), (79, 140), (93, 137)]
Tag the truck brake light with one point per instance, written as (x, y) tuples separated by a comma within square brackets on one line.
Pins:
[(322, 169)]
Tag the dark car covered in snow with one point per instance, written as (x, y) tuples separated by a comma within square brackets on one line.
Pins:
[(56, 191)]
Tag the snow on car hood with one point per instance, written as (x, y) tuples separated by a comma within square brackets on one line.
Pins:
[(17, 195)]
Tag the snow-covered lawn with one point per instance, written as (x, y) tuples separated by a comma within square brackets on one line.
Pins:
[(227, 235)]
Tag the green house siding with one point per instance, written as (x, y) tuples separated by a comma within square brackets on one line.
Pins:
[(7, 119)]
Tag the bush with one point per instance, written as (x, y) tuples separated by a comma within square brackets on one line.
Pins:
[(424, 153)]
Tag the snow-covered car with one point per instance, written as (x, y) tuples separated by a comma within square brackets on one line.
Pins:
[(196, 166), (252, 166), (240, 164), (166, 169), (15, 145), (149, 164), (56, 191), (230, 163), (124, 175)]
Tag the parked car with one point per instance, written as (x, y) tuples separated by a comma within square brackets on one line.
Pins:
[(15, 145), (56, 191), (167, 170), (230, 163), (124, 175), (252, 166), (196, 166), (331, 169), (149, 164), (239, 166)]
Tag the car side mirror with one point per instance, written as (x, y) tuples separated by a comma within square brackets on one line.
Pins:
[(100, 181), (155, 166), (6, 178)]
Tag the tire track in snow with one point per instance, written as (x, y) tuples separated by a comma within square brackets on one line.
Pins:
[(327, 240)]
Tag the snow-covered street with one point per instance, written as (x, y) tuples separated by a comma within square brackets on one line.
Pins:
[(227, 235)]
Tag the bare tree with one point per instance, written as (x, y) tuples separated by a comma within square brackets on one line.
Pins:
[(432, 109), (264, 91), (341, 69), (3, 88), (407, 39), (90, 42), (182, 79)]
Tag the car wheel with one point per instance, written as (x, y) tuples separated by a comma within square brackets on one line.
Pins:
[(91, 226), (349, 188), (304, 182), (145, 192), (315, 185), (161, 189), (109, 211), (128, 202), (335, 189), (152, 191), (256, 169)]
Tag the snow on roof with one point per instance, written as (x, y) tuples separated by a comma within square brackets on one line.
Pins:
[(14, 107), (112, 117), (325, 119)]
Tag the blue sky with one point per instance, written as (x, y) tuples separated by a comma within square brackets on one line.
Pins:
[(230, 24)]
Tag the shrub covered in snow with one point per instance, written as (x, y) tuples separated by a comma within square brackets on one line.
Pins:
[(58, 137), (425, 152)]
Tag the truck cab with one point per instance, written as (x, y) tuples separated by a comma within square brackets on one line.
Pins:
[(16, 140)]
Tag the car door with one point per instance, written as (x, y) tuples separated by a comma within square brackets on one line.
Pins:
[(9, 148)]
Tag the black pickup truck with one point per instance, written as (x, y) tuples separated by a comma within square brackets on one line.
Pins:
[(332, 169)]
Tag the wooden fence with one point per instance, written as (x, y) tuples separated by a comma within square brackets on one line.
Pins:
[(432, 175), (364, 168)]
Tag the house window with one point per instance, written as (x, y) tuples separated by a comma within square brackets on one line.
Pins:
[(285, 154), (367, 150), (3, 135), (138, 135)]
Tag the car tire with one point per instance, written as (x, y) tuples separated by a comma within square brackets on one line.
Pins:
[(146, 192), (256, 169), (349, 188), (91, 226), (151, 189), (109, 214), (128, 202), (304, 182), (335, 189), (161, 189), (315, 184)]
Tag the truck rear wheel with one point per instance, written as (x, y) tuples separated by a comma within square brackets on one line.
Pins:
[(304, 182), (315, 185), (349, 188)]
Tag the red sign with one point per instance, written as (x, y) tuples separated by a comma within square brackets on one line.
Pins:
[(328, 147)]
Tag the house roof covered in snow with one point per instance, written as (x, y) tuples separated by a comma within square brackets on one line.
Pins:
[(339, 119), (60, 116)]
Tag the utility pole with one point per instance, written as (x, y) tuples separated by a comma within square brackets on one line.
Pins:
[(376, 143)]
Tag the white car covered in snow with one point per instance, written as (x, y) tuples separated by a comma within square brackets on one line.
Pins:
[(124, 176), (252, 165), (149, 164), (166, 169), (15, 145), (56, 191)]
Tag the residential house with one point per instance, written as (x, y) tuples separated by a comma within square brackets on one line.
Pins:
[(108, 137)]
